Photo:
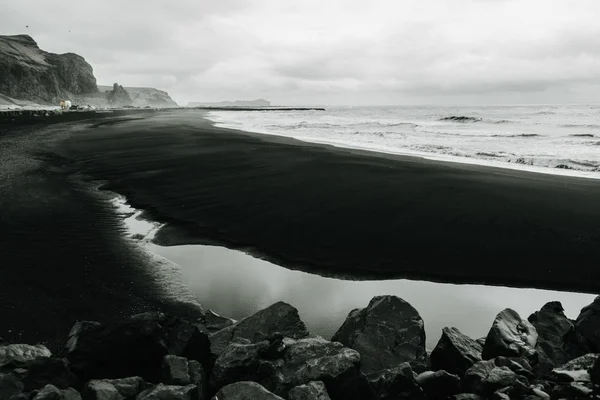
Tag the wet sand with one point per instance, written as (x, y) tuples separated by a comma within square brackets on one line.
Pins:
[(335, 212)]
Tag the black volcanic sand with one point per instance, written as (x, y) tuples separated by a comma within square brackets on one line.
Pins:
[(348, 213), (61, 253)]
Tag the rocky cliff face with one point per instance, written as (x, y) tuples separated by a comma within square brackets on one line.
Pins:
[(118, 96), (29, 73), (143, 96)]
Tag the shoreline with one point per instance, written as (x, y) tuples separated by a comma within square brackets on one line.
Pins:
[(180, 231)]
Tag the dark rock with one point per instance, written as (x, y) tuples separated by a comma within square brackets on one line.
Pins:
[(557, 339), (134, 347), (21, 354), (239, 362), (510, 336), (28, 73), (279, 317), (387, 332), (486, 378), (573, 390), (46, 370), (439, 384), (466, 396), (175, 371), (455, 352), (198, 377), (588, 324), (119, 97), (168, 392), (517, 365), (576, 370), (9, 386), (395, 383), (215, 322), (101, 390), (595, 372), (311, 391), (49, 392), (245, 391), (127, 387), (70, 394)]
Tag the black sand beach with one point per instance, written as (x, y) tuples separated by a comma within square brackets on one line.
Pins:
[(327, 210)]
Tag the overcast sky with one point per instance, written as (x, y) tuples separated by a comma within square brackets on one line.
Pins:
[(330, 51)]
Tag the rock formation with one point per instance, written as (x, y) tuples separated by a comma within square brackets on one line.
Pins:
[(29, 73), (118, 96)]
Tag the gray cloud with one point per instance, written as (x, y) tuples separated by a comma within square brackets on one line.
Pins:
[(347, 52)]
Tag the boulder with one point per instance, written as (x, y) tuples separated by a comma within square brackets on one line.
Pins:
[(510, 336), (279, 317), (214, 322), (576, 370), (21, 354), (49, 392), (439, 384), (395, 383), (134, 347), (9, 386), (595, 372), (128, 388), (588, 324), (245, 390), (466, 396), (101, 390), (175, 370), (169, 392), (70, 394), (389, 331), (486, 378), (239, 361), (311, 391), (48, 370), (558, 342), (455, 352)]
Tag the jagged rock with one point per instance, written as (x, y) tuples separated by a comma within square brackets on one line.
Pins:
[(466, 396), (70, 394), (9, 386), (21, 354), (510, 336), (395, 383), (49, 392), (119, 97), (169, 392), (175, 371), (387, 332), (519, 366), (215, 322), (26, 72), (239, 361), (500, 396), (245, 390), (101, 390), (279, 317), (439, 384), (576, 370), (486, 378), (595, 372), (455, 352), (311, 391), (588, 324), (47, 370), (127, 387), (573, 390), (558, 342), (134, 347)]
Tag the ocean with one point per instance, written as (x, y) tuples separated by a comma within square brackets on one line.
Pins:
[(558, 139)]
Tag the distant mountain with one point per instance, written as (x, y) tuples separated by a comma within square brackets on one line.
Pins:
[(29, 73), (144, 96), (237, 103)]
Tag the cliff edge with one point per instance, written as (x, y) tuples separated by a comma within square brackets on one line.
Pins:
[(29, 73)]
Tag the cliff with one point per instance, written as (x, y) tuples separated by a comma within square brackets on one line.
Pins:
[(29, 73), (237, 103), (144, 96)]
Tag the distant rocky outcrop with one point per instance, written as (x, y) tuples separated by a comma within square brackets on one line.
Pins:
[(29, 73), (237, 103), (118, 96), (143, 96)]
